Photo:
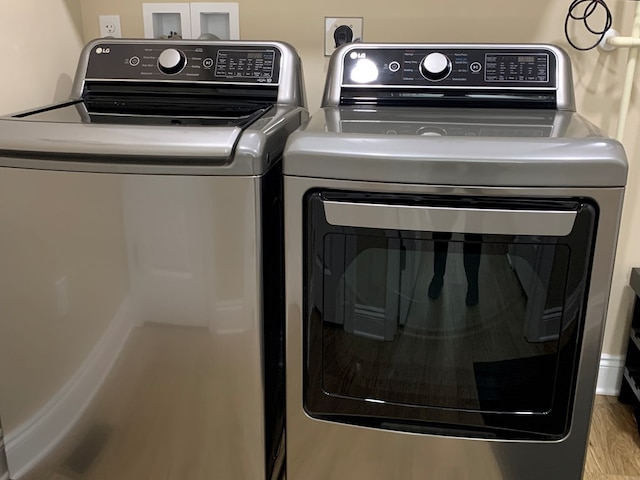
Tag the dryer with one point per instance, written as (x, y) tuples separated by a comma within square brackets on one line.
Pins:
[(451, 224)]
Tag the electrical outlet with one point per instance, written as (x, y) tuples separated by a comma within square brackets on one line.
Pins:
[(341, 30), (110, 26)]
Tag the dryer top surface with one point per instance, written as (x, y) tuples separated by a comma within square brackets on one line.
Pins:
[(484, 147)]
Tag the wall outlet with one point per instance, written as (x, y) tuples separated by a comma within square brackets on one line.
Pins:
[(341, 30), (110, 26)]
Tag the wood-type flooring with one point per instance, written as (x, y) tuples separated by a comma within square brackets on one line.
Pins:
[(614, 442)]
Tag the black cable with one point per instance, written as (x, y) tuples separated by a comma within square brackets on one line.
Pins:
[(590, 8)]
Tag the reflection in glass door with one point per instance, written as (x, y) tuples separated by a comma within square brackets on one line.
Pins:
[(469, 329)]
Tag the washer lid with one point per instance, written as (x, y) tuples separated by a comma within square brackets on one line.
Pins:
[(149, 149), (456, 147), (69, 130)]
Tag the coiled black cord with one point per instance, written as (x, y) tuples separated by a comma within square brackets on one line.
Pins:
[(590, 7)]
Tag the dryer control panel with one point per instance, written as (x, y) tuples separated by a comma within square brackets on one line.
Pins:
[(521, 76), (450, 67)]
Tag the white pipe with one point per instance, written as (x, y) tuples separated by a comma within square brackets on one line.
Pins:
[(623, 42), (632, 61)]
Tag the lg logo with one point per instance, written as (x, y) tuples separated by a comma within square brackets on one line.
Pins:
[(101, 50), (356, 55)]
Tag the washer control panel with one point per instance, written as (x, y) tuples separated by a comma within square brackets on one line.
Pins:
[(450, 67), (184, 62)]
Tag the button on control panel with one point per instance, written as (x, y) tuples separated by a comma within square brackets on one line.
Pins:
[(171, 61), (452, 67), (435, 66), (185, 62)]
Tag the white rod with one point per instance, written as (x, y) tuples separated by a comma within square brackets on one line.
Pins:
[(628, 81), (623, 42)]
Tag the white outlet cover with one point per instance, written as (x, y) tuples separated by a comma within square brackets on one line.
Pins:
[(160, 16), (110, 26), (332, 23), (209, 14)]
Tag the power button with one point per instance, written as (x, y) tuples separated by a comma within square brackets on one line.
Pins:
[(394, 66)]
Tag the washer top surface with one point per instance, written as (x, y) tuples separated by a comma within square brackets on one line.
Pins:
[(145, 106)]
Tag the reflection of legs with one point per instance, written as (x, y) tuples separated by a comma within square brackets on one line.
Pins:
[(440, 250), (471, 259)]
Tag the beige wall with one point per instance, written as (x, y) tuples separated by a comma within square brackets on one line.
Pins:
[(39, 46), (598, 76)]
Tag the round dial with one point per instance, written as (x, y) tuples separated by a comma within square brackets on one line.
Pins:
[(435, 66), (171, 61)]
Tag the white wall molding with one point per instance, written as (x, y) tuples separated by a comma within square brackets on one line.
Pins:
[(610, 374), (28, 444)]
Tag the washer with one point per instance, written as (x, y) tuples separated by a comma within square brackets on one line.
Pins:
[(450, 236), (141, 314)]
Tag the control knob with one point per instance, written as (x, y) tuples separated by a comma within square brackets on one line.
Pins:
[(435, 66), (171, 61)]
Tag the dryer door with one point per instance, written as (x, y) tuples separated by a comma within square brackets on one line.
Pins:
[(460, 314)]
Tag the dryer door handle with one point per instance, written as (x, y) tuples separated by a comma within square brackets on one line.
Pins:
[(554, 223)]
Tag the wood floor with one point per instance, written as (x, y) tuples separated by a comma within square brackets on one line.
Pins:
[(614, 443)]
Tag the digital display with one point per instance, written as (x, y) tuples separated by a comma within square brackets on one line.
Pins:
[(512, 67), (245, 64)]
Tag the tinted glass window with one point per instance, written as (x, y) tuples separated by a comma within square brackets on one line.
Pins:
[(417, 329), (446, 323)]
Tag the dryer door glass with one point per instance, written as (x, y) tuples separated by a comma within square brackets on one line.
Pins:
[(472, 328)]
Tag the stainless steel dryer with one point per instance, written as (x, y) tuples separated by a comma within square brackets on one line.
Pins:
[(451, 224), (141, 299)]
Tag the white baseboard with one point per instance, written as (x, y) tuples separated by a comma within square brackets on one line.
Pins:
[(610, 374), (28, 444)]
